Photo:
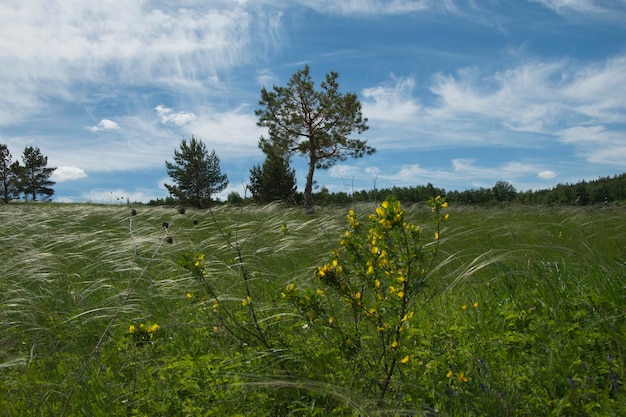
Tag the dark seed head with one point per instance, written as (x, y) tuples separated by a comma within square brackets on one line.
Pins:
[(166, 225), (133, 212), (195, 221), (169, 239), (181, 210)]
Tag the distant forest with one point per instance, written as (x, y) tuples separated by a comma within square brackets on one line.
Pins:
[(604, 190)]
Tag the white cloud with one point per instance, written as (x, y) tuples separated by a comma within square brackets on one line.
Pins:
[(68, 173), (391, 102), (587, 8), (168, 115), (378, 7), (48, 49), (546, 175), (596, 144), (119, 196), (105, 124)]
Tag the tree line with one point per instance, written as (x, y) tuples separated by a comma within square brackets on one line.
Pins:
[(317, 124), (29, 179), (301, 121)]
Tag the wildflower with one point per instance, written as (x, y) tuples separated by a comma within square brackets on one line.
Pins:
[(189, 295), (405, 359), (331, 320), (475, 304), (319, 291), (449, 374), (464, 307), (447, 216), (394, 344), (461, 377)]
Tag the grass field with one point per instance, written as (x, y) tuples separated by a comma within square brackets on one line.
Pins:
[(515, 311)]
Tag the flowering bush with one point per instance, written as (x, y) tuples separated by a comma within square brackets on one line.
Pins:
[(143, 334), (363, 295)]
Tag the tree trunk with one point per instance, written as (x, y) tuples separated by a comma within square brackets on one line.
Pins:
[(308, 188)]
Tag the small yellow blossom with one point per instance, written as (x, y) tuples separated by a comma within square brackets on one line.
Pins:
[(189, 295), (475, 304), (464, 307), (405, 359), (461, 377), (394, 344), (331, 320), (319, 291), (401, 294), (449, 374)]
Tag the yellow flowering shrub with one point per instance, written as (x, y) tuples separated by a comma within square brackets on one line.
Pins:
[(373, 276)]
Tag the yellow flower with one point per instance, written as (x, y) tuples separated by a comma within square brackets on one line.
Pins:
[(475, 304), (189, 295), (331, 320), (319, 292), (394, 344), (377, 284), (464, 307), (444, 205), (446, 217), (405, 359), (401, 294), (132, 329), (153, 328), (436, 235), (449, 374), (461, 377)]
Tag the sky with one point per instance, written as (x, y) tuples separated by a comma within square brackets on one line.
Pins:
[(460, 94)]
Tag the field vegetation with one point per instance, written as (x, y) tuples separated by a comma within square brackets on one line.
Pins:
[(371, 310)]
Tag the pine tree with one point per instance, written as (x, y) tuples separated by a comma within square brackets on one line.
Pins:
[(274, 180), (34, 175), (8, 175), (196, 174), (313, 123)]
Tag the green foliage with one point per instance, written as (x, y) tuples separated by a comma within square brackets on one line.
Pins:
[(34, 176), (518, 311), (365, 300), (274, 180), (196, 174), (313, 123)]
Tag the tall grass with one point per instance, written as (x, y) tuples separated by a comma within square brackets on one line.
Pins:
[(523, 314)]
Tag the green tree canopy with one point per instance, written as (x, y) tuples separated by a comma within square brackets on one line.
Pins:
[(313, 123), (35, 174), (274, 180), (196, 174), (8, 179)]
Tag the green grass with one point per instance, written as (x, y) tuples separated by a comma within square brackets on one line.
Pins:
[(522, 315)]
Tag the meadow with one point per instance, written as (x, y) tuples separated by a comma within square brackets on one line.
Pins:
[(370, 310)]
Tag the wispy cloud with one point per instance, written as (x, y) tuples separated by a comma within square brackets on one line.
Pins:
[(587, 7)]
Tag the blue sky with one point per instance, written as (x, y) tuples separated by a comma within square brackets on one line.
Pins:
[(457, 93)]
